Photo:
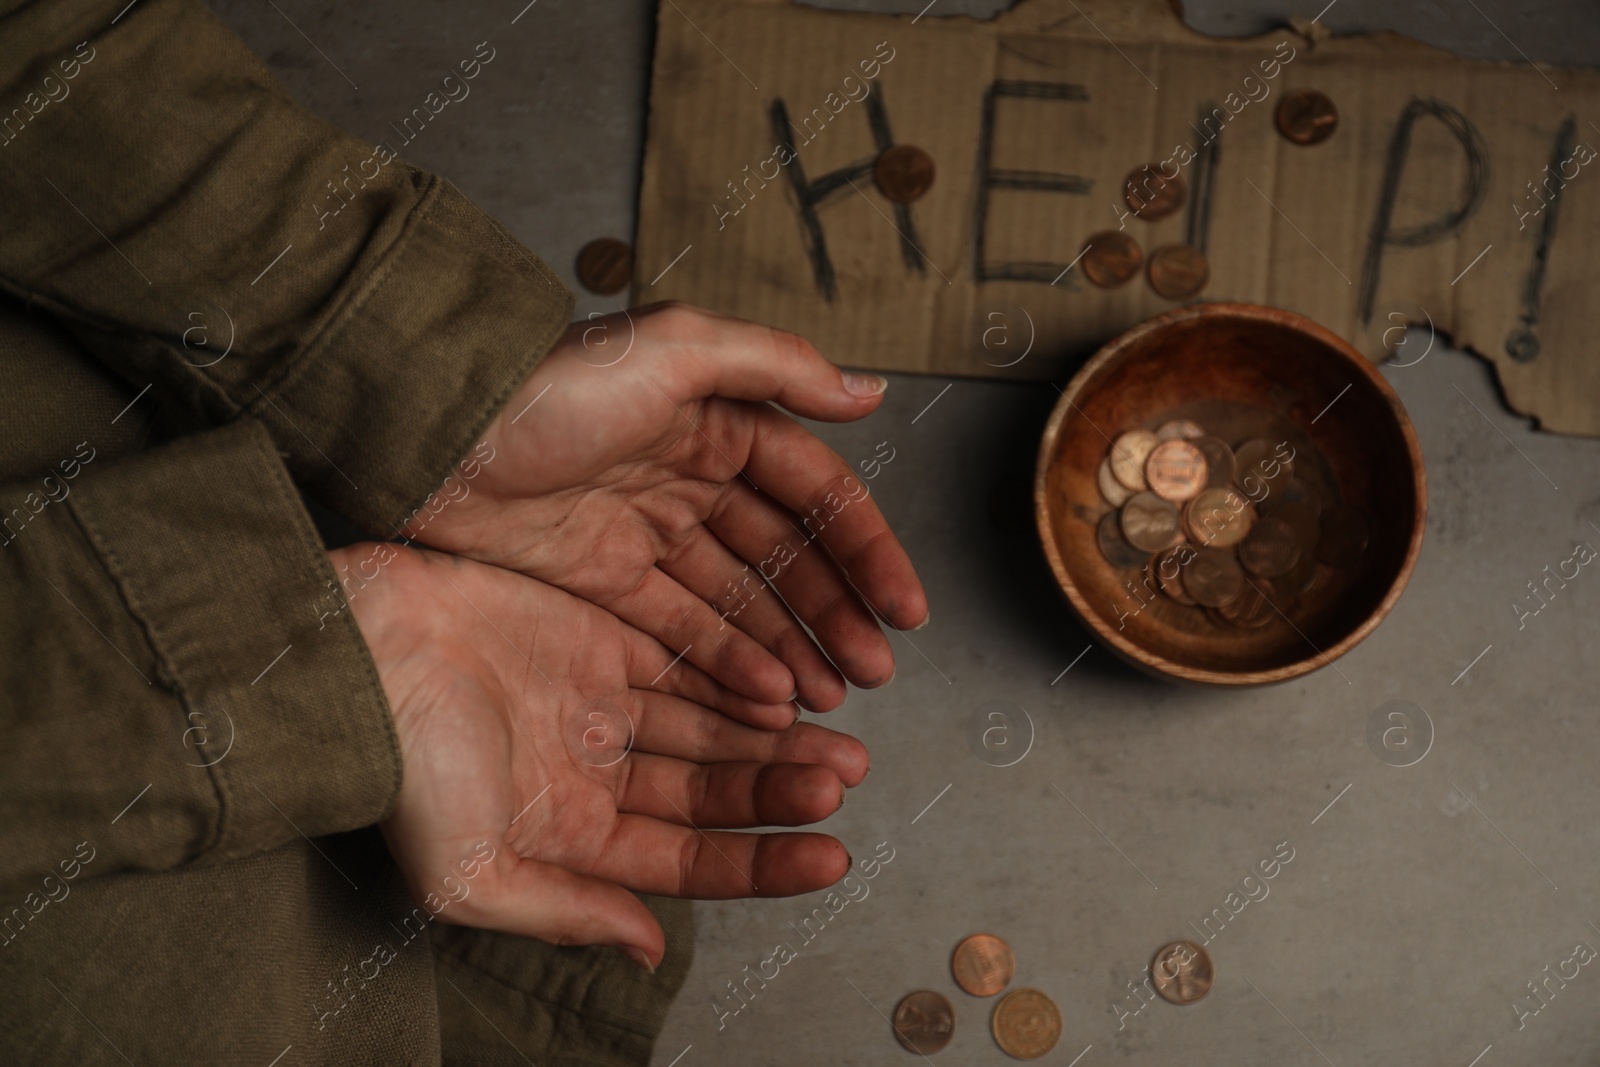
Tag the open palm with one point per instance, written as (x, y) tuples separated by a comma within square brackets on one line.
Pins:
[(641, 468), (556, 757)]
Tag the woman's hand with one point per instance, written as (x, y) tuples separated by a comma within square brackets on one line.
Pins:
[(563, 758), (641, 468)]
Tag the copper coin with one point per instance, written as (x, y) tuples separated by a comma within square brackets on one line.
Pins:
[(1182, 972), (1152, 195), (1177, 272), (903, 173), (1026, 1024), (1344, 536), (1252, 608), (1296, 492), (1150, 523), (1115, 492), (1112, 258), (605, 265), (1263, 459), (1213, 577), (1176, 470), (924, 1022), (1311, 467), (1306, 522), (1306, 116), (1166, 572), (1128, 456), (1218, 518), (1271, 549), (1115, 547), (983, 965), (1179, 430), (1300, 578), (1220, 461)]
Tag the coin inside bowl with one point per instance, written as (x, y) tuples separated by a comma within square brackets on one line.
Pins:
[(1246, 375)]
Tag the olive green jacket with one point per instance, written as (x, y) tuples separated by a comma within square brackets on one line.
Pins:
[(193, 752)]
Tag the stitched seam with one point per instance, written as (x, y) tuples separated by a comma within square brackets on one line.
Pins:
[(71, 314), (172, 679), (541, 343), (585, 1015), (285, 376), (292, 371), (308, 538)]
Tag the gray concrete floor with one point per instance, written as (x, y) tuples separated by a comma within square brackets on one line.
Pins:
[(1415, 908)]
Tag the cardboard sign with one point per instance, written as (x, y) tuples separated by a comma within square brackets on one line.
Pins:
[(1462, 197)]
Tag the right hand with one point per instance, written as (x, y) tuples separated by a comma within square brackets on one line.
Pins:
[(665, 488), (586, 755)]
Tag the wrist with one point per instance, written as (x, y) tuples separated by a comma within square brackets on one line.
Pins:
[(471, 477)]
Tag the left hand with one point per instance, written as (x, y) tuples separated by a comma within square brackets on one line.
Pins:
[(657, 482), (555, 757)]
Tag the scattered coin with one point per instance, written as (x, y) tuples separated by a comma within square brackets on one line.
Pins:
[(1177, 272), (1307, 117), (1182, 972), (605, 265), (1112, 258), (903, 173), (1213, 577), (1151, 194), (1179, 429), (1128, 456), (983, 965), (1220, 461), (1218, 518), (1176, 470), (1252, 608), (1026, 1024), (1344, 536), (1115, 492), (1166, 572), (1271, 549), (1149, 523), (924, 1022)]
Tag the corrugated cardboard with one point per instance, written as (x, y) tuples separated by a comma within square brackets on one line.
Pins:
[(1459, 195)]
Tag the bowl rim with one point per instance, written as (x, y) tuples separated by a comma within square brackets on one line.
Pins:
[(1143, 658)]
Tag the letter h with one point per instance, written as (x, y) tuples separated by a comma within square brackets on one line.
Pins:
[(812, 193)]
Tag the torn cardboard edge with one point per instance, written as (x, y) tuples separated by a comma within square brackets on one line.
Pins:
[(1409, 214)]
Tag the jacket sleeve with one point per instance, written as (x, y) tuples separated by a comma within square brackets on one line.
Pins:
[(178, 683), (202, 233)]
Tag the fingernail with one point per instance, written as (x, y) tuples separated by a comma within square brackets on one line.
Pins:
[(841, 801), (926, 619), (864, 384), (795, 694), (638, 956)]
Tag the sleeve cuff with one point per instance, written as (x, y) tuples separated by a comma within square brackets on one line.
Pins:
[(211, 551), (436, 338)]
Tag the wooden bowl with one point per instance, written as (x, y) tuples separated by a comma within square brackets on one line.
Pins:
[(1240, 371)]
